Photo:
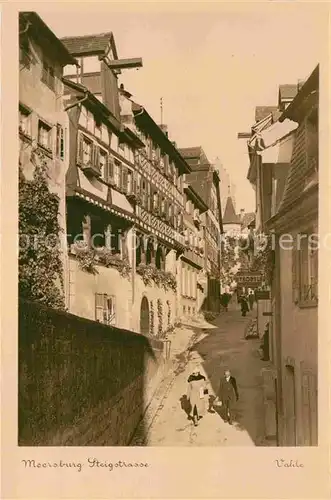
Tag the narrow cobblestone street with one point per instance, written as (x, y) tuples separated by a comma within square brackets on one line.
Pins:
[(214, 349)]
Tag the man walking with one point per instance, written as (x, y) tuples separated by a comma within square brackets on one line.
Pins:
[(228, 394), (251, 298)]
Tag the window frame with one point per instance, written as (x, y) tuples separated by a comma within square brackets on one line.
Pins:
[(42, 124)]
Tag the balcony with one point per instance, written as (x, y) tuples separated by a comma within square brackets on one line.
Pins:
[(193, 257), (89, 168)]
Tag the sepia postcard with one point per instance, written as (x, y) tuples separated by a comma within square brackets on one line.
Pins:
[(165, 250)]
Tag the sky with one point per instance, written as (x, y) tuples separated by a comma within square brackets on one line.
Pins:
[(211, 65)]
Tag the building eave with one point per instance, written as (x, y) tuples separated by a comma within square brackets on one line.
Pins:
[(43, 31), (95, 104), (143, 117), (311, 85)]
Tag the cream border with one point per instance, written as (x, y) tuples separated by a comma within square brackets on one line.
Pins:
[(180, 473)]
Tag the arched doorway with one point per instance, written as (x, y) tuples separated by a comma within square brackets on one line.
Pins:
[(144, 316)]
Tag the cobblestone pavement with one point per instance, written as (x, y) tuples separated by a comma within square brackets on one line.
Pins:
[(167, 424)]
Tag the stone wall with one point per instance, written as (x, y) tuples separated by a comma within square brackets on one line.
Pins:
[(80, 382)]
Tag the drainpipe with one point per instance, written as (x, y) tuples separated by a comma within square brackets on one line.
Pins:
[(77, 102)]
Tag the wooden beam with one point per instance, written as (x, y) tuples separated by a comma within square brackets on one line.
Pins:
[(244, 135), (125, 63)]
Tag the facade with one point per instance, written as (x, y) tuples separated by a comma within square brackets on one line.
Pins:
[(43, 123), (204, 180), (193, 258), (125, 190), (284, 169)]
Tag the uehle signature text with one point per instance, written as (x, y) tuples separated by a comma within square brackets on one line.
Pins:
[(294, 464)]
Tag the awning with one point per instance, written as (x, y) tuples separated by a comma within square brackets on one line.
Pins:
[(279, 153), (272, 135), (119, 200), (277, 131)]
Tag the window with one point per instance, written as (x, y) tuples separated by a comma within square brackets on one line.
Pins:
[(129, 181), (105, 309), (25, 121), (87, 151), (109, 172), (305, 270), (47, 76), (103, 163), (117, 174), (45, 135), (155, 200), (59, 142)]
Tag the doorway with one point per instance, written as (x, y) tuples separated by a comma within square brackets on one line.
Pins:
[(144, 316), (290, 406)]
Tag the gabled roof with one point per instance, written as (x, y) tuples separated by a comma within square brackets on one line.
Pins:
[(300, 103), (30, 22), (90, 44), (288, 91), (193, 152), (262, 112), (230, 216), (94, 102), (248, 219), (145, 121)]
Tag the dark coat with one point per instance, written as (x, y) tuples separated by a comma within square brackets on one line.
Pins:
[(228, 391), (244, 305)]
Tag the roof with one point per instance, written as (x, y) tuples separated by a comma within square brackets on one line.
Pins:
[(230, 216), (248, 219), (193, 152), (89, 44), (300, 102), (146, 121), (288, 91), (94, 102), (42, 32), (262, 112)]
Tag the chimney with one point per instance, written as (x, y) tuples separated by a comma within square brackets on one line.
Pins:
[(164, 129), (242, 213)]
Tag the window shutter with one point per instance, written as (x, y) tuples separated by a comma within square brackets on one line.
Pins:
[(112, 310), (110, 170), (125, 179), (166, 164), (80, 149), (295, 276), (313, 398), (99, 310), (305, 408), (96, 156)]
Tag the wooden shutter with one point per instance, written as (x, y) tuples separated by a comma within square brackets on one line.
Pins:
[(313, 398), (124, 179), (110, 174), (295, 275), (305, 409), (96, 156), (111, 303), (80, 149), (99, 307)]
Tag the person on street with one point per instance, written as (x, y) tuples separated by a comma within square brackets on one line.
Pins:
[(244, 306), (197, 388), (227, 394), (251, 299)]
